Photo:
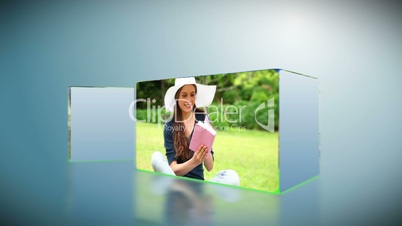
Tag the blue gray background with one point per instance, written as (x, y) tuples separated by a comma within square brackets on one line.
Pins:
[(353, 47)]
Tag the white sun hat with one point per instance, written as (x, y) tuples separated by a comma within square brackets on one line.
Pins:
[(205, 93)]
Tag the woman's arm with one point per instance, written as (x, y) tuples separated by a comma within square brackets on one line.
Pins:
[(183, 168), (209, 162)]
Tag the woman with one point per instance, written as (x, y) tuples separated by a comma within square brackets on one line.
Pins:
[(183, 99)]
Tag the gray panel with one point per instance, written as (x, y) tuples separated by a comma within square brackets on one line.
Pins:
[(298, 138), (101, 127)]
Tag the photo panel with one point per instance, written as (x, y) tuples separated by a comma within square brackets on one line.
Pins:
[(299, 129), (244, 113), (99, 125)]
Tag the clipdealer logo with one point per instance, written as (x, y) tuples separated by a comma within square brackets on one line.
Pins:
[(271, 115), (221, 114)]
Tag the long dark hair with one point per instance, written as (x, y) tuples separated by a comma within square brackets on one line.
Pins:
[(180, 141)]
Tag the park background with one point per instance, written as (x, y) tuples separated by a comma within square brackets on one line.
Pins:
[(241, 144)]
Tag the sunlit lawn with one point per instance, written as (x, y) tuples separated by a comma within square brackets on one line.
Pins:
[(252, 154)]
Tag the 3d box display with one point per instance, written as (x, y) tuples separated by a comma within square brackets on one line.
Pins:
[(266, 123)]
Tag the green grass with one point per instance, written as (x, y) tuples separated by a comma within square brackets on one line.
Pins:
[(252, 154)]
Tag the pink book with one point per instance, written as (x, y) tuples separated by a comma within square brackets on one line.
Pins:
[(203, 134)]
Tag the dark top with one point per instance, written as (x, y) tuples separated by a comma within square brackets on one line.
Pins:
[(198, 171)]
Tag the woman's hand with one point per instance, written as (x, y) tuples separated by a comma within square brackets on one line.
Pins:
[(200, 154), (185, 167)]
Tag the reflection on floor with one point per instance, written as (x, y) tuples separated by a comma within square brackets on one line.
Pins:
[(114, 192)]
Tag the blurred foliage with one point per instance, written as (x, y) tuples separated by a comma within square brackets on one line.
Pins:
[(152, 92), (241, 92)]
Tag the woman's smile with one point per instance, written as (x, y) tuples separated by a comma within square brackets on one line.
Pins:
[(187, 105), (187, 98)]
